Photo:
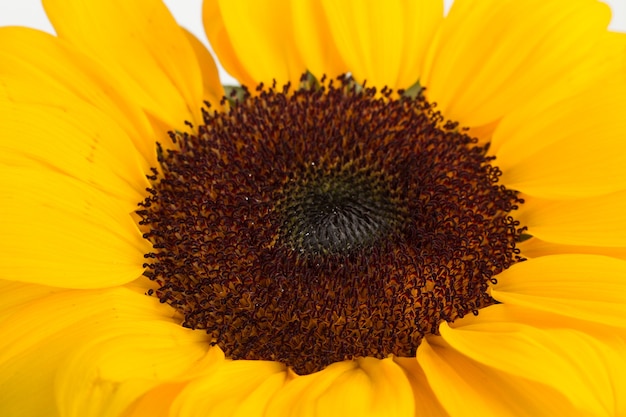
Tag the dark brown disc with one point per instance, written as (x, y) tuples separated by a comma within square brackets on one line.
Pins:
[(325, 224)]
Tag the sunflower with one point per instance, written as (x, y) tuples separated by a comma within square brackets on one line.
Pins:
[(400, 214)]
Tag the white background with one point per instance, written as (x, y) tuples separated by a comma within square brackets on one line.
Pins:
[(188, 14)]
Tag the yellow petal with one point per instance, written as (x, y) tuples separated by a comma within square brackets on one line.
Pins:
[(426, 403), (571, 148), (107, 375), (18, 293), (93, 353), (261, 35), (57, 231), (612, 341), (490, 56), (221, 44), (142, 47), (76, 140), (466, 387), (213, 90), (159, 401), (568, 361), (40, 400), (586, 287), (301, 393), (596, 221), (234, 388), (364, 387), (534, 248), (38, 68), (314, 40), (156, 402), (383, 42)]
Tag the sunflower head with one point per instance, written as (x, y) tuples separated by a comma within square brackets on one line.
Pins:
[(353, 234), (326, 223)]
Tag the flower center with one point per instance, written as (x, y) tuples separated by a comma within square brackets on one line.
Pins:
[(336, 211), (325, 224)]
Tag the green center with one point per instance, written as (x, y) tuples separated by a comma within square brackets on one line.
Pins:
[(339, 211)]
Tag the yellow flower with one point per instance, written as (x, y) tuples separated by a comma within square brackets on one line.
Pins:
[(539, 84)]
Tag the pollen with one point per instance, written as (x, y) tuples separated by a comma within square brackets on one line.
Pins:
[(325, 224)]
